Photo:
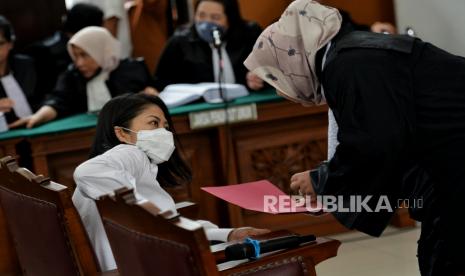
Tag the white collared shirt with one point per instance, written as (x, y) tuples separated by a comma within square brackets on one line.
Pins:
[(121, 166)]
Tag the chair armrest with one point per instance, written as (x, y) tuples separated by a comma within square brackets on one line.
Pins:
[(310, 253), (188, 209)]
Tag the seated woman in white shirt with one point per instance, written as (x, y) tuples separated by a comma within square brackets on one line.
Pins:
[(134, 147)]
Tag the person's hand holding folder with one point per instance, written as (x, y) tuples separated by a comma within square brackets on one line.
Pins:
[(302, 183), (264, 196)]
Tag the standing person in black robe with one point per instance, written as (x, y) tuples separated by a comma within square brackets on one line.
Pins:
[(399, 104)]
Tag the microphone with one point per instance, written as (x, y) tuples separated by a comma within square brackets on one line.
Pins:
[(410, 32), (252, 249), (216, 33)]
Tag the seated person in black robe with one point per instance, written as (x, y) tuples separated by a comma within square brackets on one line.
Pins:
[(189, 56), (19, 95), (51, 54), (96, 75)]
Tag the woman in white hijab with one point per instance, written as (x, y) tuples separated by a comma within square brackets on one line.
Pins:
[(96, 75), (399, 106)]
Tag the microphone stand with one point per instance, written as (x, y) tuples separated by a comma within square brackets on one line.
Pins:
[(217, 43)]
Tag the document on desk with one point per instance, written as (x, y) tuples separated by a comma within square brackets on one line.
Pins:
[(180, 94), (263, 196)]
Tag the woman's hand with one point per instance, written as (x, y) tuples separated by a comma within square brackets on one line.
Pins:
[(239, 234), (383, 27), (29, 122), (44, 114), (302, 183), (254, 82), (6, 104)]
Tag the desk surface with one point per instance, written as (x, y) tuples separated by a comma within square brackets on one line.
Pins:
[(83, 121)]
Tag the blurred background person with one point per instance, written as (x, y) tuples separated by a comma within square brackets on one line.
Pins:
[(115, 20), (19, 95), (96, 76), (51, 54), (189, 56), (376, 27), (374, 21), (151, 26)]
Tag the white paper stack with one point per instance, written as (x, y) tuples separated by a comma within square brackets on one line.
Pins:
[(181, 94)]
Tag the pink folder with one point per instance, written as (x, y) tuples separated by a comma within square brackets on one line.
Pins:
[(262, 196)]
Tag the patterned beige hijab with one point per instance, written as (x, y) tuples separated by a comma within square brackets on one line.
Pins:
[(284, 54)]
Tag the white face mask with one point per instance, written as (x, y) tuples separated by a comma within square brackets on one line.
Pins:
[(158, 144)]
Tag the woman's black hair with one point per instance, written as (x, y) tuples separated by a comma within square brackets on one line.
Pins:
[(82, 15), (231, 9), (7, 29), (120, 111)]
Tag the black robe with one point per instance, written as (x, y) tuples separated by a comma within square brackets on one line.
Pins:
[(51, 59), (400, 107), (22, 69)]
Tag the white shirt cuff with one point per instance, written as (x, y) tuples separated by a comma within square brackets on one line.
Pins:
[(218, 234)]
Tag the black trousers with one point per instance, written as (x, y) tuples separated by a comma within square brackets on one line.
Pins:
[(439, 90), (434, 255)]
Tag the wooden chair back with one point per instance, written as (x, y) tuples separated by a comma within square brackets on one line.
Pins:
[(47, 231), (145, 242), (9, 265)]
